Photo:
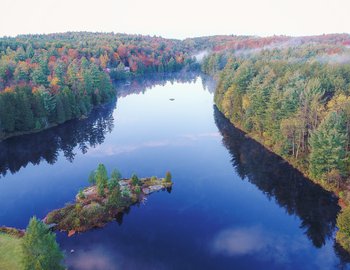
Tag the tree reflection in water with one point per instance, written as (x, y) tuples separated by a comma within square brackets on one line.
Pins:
[(316, 208), (17, 152)]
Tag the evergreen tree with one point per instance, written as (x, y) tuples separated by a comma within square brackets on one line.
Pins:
[(101, 179), (49, 100), (328, 147), (38, 76), (171, 65), (39, 111), (40, 249), (29, 51), (135, 180), (114, 180), (7, 112), (68, 114), (168, 177), (72, 76), (60, 73), (60, 113), (114, 197), (25, 119)]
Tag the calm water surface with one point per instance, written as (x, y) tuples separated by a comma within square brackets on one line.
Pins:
[(234, 205)]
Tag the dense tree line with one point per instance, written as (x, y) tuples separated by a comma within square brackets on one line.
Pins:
[(248, 44), (293, 100), (48, 79), (34, 106), (300, 111)]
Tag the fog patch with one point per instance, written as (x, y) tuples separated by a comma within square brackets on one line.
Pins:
[(278, 45), (200, 55), (334, 59)]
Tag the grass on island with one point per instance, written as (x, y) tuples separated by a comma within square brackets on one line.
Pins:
[(10, 252)]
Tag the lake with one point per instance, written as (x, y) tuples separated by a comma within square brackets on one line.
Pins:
[(234, 204)]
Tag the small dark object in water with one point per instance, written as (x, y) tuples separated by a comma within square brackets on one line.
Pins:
[(171, 99)]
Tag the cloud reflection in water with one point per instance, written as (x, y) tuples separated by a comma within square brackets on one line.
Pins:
[(256, 240), (105, 257), (111, 150)]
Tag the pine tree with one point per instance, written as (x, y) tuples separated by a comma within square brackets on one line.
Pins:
[(114, 180), (7, 112), (67, 107), (171, 65), (101, 179), (328, 147), (114, 197), (168, 177), (40, 249), (38, 76), (60, 113), (24, 115), (49, 100), (135, 180)]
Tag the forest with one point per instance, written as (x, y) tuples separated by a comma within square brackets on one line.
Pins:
[(291, 94), (293, 97), (46, 80)]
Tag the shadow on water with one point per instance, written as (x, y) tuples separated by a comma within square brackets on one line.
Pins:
[(316, 208)]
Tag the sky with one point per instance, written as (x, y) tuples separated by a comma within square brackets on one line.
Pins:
[(176, 19)]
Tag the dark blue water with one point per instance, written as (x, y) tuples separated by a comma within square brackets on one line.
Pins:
[(234, 205)]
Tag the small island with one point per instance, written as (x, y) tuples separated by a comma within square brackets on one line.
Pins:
[(101, 202)]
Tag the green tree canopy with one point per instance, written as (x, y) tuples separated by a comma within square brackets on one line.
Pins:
[(168, 177), (135, 180), (328, 146), (40, 249), (101, 178)]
